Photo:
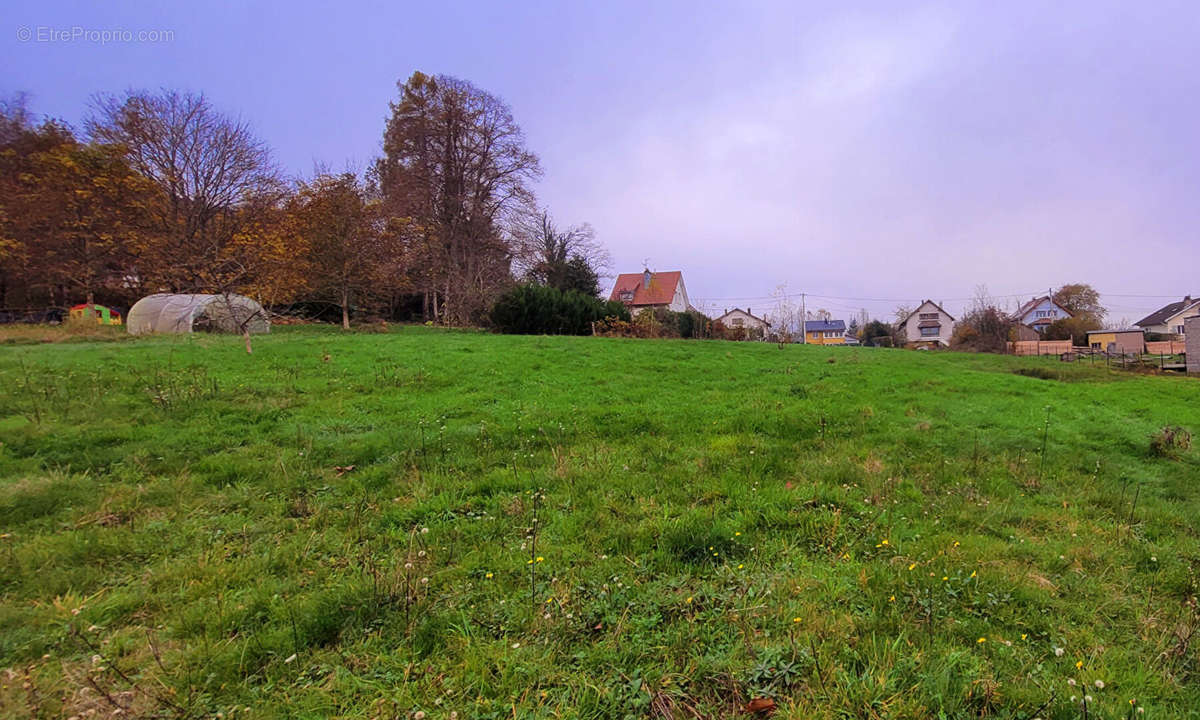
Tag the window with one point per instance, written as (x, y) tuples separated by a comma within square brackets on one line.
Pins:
[(1043, 313), (1178, 329), (736, 322), (626, 296), (928, 316), (930, 331)]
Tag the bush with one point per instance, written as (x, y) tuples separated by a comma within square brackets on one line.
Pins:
[(659, 323), (1074, 329), (878, 334), (541, 310), (1170, 442), (982, 330)]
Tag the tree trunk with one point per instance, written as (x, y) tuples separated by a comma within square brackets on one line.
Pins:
[(246, 337), (345, 309), (91, 299)]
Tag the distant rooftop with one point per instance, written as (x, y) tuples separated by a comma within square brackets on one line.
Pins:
[(824, 325)]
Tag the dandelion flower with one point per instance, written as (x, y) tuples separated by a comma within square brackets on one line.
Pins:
[(910, 567), (981, 640), (736, 534), (885, 542), (796, 619), (944, 578), (740, 566), (540, 558), (1087, 698), (1099, 684), (689, 600), (1078, 664), (1058, 652), (972, 573), (488, 576), (1024, 635), (1071, 682), (892, 599)]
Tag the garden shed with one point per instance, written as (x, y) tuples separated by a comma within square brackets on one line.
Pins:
[(177, 313)]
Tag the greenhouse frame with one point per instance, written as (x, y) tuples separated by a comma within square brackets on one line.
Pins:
[(178, 313)]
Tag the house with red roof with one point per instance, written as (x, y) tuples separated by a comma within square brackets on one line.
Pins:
[(650, 290)]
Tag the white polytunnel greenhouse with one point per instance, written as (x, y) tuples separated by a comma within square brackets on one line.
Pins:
[(171, 313)]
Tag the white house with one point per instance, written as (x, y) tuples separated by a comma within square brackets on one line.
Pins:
[(1039, 312), (1170, 319), (738, 318), (928, 325), (647, 290)]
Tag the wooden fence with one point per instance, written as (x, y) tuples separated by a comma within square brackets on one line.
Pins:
[(1039, 347), (1166, 347)]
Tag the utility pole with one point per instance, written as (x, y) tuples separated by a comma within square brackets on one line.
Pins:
[(803, 321)]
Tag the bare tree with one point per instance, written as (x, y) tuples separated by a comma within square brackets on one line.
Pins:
[(567, 258), (215, 178), (786, 314), (456, 166), (820, 314)]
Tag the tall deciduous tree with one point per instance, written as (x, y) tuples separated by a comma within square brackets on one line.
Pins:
[(215, 182), (456, 166), (1083, 302), (69, 211), (347, 246)]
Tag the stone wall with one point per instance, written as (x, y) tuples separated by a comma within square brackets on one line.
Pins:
[(1191, 329)]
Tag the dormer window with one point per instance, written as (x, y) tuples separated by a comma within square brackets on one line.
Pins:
[(627, 296)]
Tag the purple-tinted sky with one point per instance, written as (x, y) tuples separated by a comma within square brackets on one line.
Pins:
[(870, 154)]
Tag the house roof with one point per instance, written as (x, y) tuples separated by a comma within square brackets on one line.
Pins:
[(824, 325), (746, 312), (923, 304), (1033, 303), (660, 292), (1164, 313)]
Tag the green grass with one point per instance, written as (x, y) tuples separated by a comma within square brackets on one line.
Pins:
[(833, 528)]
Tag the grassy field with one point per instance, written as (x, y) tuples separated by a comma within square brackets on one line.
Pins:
[(438, 524)]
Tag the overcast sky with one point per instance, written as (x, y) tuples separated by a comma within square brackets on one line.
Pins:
[(865, 153)]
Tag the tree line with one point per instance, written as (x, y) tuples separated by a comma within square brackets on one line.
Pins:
[(162, 192)]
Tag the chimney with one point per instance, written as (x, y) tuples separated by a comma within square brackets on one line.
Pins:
[(1187, 299), (748, 310), (646, 278)]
